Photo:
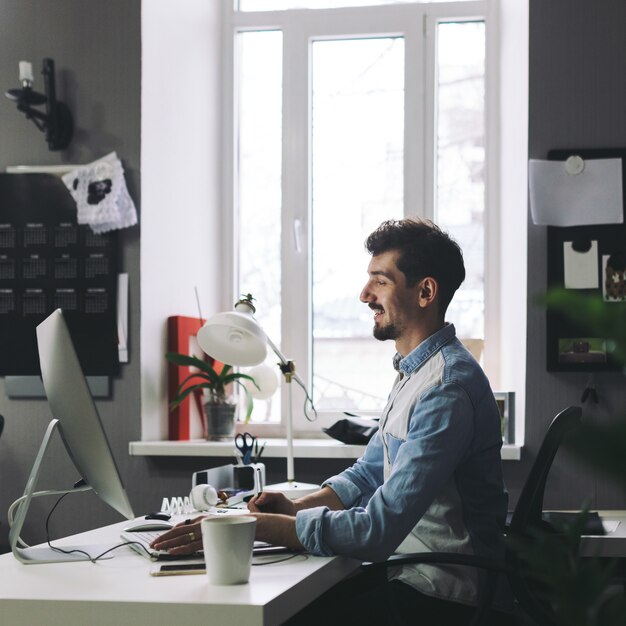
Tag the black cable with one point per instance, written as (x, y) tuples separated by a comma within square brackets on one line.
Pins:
[(56, 549), (121, 545), (94, 559), (287, 558), (590, 391), (80, 483), (307, 401)]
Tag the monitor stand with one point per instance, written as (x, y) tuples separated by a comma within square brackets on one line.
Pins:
[(45, 554)]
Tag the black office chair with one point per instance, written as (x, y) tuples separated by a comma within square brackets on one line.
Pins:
[(527, 517), (1, 424)]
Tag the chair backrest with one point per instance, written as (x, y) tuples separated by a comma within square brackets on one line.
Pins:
[(527, 514), (1, 424), (530, 503)]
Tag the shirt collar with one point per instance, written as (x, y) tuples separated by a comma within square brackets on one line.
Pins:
[(408, 364)]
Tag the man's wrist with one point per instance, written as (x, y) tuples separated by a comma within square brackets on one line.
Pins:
[(299, 504), (277, 529)]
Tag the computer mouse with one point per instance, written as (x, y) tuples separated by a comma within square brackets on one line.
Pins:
[(162, 516), (144, 525)]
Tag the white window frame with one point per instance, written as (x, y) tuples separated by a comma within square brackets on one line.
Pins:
[(417, 24)]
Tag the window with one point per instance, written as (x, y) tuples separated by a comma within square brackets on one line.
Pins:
[(460, 164), (259, 185), (357, 142), (337, 119)]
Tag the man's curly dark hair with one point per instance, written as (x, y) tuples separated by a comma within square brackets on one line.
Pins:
[(425, 250)]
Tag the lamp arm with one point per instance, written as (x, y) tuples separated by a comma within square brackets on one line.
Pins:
[(276, 351)]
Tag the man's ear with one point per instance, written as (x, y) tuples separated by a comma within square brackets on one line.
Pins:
[(427, 292)]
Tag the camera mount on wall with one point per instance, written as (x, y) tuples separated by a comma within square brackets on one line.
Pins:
[(56, 122)]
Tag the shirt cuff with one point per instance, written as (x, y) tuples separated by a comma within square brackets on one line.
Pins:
[(346, 490), (309, 525)]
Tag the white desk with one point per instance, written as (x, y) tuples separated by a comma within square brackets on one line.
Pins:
[(120, 591)]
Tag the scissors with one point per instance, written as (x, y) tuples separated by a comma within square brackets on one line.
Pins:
[(245, 442)]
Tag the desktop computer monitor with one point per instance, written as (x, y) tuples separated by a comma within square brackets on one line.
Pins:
[(76, 418)]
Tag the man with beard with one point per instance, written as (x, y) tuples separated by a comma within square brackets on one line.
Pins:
[(430, 479)]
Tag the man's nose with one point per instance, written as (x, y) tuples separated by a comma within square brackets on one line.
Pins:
[(365, 295)]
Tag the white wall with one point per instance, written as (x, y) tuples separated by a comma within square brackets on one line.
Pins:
[(514, 203), (179, 180)]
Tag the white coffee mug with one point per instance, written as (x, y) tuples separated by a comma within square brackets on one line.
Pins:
[(227, 543)]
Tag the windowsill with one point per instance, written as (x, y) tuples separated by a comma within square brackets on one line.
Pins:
[(275, 448)]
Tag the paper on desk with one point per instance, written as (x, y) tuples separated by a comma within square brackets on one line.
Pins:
[(580, 267), (592, 197)]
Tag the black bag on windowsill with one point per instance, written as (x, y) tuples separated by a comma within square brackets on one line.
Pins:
[(353, 430)]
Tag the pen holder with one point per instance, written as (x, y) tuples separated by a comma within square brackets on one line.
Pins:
[(245, 476)]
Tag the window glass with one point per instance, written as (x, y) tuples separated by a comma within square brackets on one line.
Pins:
[(357, 182), (258, 160), (460, 164)]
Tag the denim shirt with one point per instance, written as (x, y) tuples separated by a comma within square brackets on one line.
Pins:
[(429, 480)]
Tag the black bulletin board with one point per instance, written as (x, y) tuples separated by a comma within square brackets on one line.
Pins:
[(49, 261), (569, 348)]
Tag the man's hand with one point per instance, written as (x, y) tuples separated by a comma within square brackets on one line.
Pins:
[(277, 502), (272, 502), (184, 538)]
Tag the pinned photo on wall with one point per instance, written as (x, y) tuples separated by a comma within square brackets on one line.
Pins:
[(582, 350), (580, 264), (614, 273)]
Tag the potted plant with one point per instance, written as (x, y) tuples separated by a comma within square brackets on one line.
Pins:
[(219, 409), (582, 590)]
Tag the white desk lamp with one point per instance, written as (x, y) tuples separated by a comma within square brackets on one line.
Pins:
[(236, 338)]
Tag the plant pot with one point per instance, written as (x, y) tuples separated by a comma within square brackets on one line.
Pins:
[(220, 421)]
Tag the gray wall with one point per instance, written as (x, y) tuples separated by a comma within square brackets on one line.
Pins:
[(96, 47), (577, 99)]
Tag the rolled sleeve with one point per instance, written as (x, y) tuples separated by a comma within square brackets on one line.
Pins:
[(346, 490), (309, 528), (356, 485)]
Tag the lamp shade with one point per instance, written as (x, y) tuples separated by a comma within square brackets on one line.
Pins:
[(234, 338)]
